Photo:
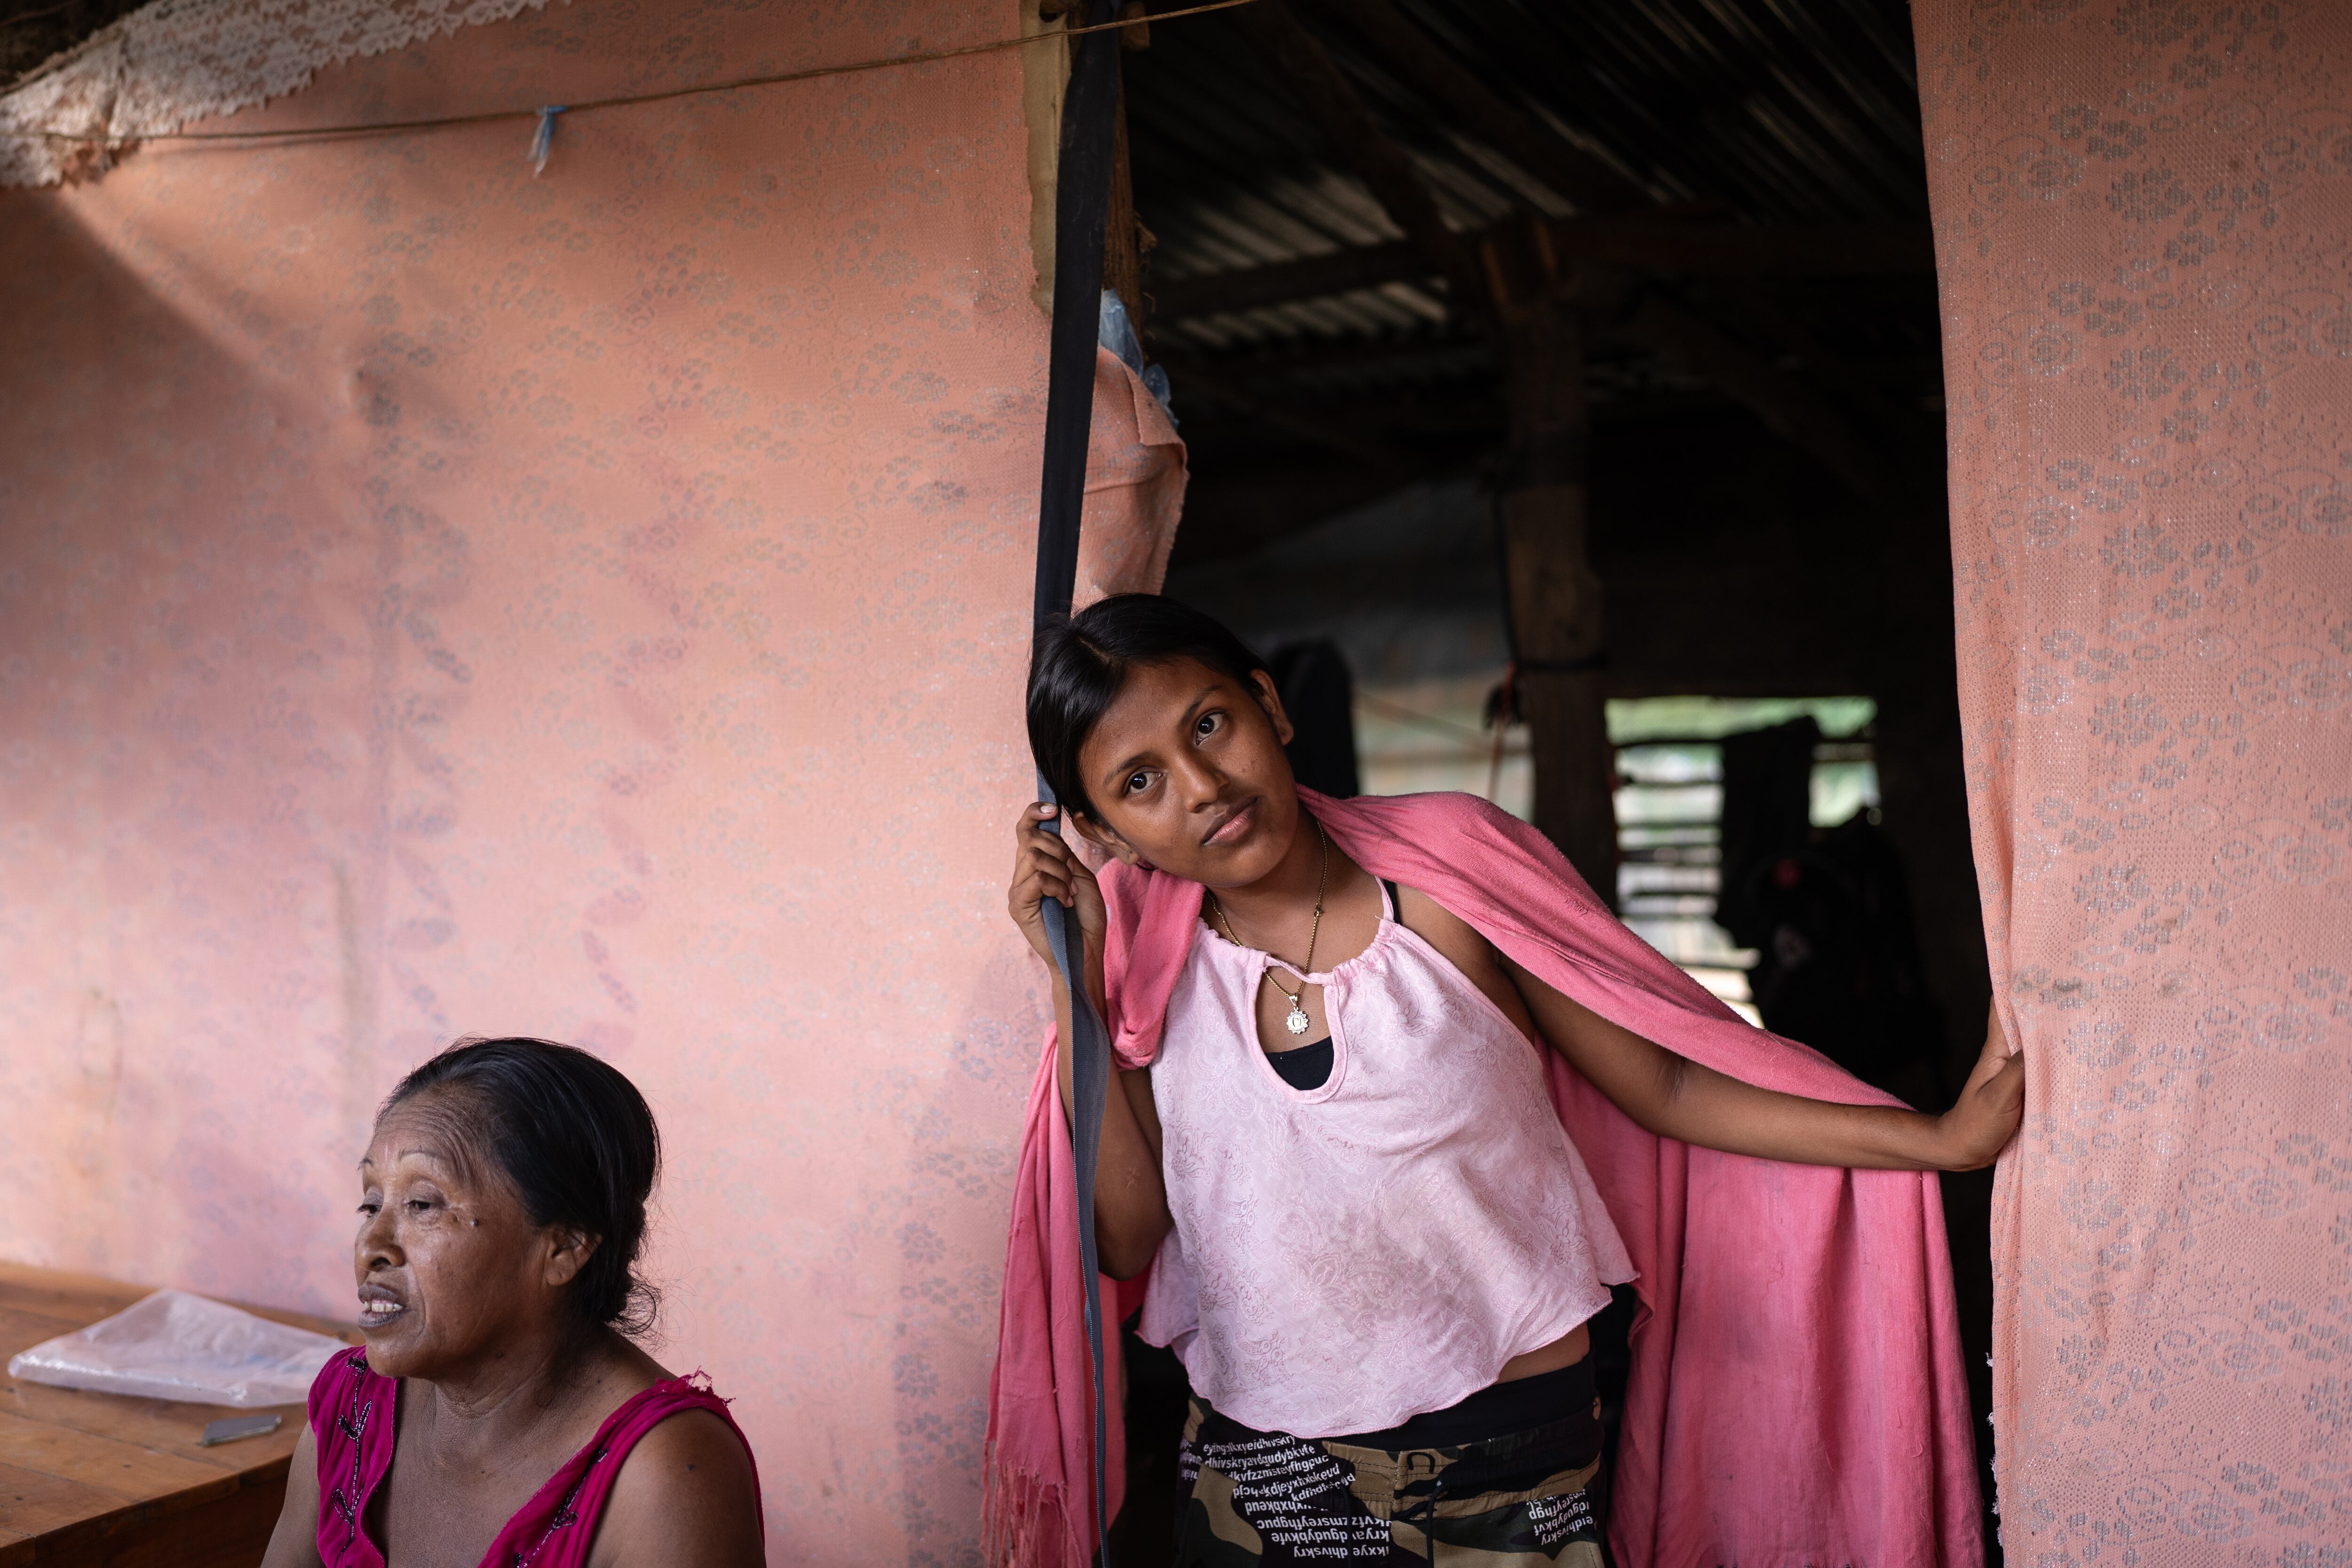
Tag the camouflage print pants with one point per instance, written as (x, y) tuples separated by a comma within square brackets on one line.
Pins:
[(1516, 1501)]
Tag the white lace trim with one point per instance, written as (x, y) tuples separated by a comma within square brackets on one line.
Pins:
[(176, 61)]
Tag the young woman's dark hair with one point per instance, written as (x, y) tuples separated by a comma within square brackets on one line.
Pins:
[(1078, 665), (579, 1143)]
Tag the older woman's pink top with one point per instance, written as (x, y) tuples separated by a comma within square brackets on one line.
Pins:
[(1348, 1256), (353, 1413)]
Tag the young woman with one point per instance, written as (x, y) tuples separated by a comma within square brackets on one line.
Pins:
[(499, 1415), (1372, 1241)]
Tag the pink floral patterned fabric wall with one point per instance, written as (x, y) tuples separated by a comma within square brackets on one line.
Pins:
[(2144, 214), (437, 600)]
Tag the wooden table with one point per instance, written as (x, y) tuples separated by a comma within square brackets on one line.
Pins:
[(89, 1479)]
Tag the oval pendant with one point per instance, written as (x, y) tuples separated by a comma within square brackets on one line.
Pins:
[(1296, 1022)]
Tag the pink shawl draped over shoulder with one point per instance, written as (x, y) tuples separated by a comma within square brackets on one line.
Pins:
[(1797, 1395)]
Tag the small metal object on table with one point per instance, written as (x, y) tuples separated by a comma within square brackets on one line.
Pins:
[(99, 1478), (236, 1426)]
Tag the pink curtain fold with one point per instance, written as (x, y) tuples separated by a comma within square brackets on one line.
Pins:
[(2144, 226)]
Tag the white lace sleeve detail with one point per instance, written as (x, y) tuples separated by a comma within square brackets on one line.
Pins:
[(175, 61)]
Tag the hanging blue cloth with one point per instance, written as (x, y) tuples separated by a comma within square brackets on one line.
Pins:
[(1116, 331), (542, 140)]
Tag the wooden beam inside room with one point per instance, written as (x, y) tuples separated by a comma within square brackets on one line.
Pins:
[(1855, 250), (1555, 597), (1044, 76), (1124, 247)]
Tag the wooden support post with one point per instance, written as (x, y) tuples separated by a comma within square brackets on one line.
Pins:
[(1045, 78), (1122, 235), (1555, 599)]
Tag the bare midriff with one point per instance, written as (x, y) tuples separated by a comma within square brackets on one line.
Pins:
[(1565, 1351)]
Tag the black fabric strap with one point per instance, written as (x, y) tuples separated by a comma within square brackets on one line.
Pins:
[(1081, 205), (1081, 201)]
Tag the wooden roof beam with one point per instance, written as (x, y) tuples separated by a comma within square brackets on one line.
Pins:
[(1291, 282), (1300, 58), (1848, 250), (1347, 438)]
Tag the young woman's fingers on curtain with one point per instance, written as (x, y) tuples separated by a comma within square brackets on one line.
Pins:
[(1995, 1057), (1046, 866), (1992, 1102)]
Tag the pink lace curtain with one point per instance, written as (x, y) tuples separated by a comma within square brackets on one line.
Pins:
[(2143, 212)]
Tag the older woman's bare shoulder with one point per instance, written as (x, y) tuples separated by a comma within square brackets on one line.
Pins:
[(685, 1496)]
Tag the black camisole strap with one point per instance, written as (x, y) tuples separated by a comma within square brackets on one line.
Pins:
[(1396, 905)]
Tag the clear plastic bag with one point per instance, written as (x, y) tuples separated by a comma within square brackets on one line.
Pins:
[(174, 1345)]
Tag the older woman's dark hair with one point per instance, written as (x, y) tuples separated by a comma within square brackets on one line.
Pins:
[(579, 1143), (1080, 663)]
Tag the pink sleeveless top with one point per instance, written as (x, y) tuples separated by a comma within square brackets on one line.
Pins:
[(352, 1422), (1350, 1256)]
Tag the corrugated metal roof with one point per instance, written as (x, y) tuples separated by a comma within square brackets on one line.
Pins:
[(1739, 112)]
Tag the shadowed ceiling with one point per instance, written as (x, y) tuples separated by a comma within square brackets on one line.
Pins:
[(1749, 171)]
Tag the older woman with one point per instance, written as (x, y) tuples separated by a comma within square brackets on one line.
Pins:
[(500, 1414)]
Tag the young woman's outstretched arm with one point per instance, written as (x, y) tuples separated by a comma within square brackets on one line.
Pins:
[(1130, 1203), (1676, 1098)]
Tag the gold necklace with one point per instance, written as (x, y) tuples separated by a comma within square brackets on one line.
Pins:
[(1296, 1022)]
